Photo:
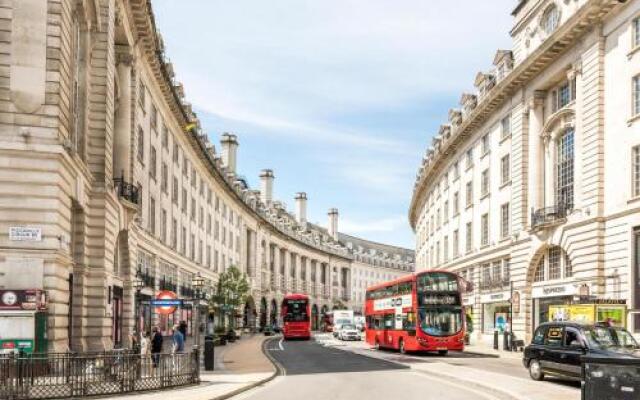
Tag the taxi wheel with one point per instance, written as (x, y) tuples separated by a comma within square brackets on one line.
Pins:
[(535, 371)]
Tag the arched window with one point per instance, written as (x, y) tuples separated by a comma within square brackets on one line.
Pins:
[(555, 264), (565, 169), (550, 19)]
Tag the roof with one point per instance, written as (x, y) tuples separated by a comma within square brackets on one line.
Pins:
[(369, 244)]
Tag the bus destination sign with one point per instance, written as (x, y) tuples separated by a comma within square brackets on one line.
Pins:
[(439, 300)]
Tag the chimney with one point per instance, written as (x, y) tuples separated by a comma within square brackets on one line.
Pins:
[(266, 186), (301, 207), (229, 144), (333, 223)]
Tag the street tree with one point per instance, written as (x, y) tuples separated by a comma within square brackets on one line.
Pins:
[(230, 293)]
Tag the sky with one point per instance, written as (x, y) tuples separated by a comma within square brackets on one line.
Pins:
[(339, 97)]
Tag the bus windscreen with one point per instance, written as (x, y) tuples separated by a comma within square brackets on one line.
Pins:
[(296, 311)]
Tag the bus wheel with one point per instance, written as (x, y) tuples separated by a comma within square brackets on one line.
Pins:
[(443, 352), (401, 347)]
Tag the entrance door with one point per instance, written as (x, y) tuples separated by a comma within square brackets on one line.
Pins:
[(116, 317)]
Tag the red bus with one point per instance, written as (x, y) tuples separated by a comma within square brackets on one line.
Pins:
[(296, 316), (419, 312)]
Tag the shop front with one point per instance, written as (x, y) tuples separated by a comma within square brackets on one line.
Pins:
[(23, 321), (496, 314), (571, 302)]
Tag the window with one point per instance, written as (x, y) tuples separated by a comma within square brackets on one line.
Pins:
[(183, 241), (208, 223), (176, 153), (192, 247), (554, 263), (438, 219), (470, 158), (550, 19), (485, 144), (504, 223), (484, 230), (496, 272), (635, 171), (164, 177), (165, 137), (446, 248), (174, 234), (142, 97), (193, 209), (484, 187), (554, 336), (505, 169), (469, 193), (564, 94), (194, 177), (568, 269), (153, 119), (564, 169), (201, 218), (469, 232), (152, 162), (163, 225), (184, 200), (152, 216), (636, 95), (209, 194), (538, 276), (140, 145), (635, 26), (456, 203), (174, 187), (456, 243), (446, 211), (505, 126), (456, 170)]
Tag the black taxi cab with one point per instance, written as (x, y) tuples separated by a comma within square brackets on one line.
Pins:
[(557, 347)]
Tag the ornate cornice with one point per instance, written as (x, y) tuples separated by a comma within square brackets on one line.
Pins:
[(565, 36)]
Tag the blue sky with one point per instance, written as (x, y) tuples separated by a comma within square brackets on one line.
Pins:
[(339, 97)]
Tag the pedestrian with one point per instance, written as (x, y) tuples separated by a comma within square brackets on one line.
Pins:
[(183, 328), (135, 345), (145, 351), (178, 340), (156, 346)]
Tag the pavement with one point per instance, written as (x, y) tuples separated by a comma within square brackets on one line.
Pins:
[(238, 367)]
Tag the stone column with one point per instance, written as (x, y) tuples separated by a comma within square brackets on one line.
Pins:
[(537, 166), (122, 123), (276, 267)]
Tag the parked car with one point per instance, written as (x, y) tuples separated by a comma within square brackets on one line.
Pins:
[(348, 332), (557, 347)]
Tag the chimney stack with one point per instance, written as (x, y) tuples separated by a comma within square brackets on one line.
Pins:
[(229, 144), (301, 208), (266, 186), (333, 223)]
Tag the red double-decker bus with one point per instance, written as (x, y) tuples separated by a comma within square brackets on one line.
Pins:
[(296, 316), (419, 312)]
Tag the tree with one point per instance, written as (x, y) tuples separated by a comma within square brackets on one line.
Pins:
[(339, 305), (231, 292)]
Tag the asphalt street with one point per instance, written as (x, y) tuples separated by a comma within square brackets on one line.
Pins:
[(315, 372)]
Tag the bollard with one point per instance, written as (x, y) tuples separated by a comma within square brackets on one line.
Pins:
[(495, 340), (209, 353), (506, 345)]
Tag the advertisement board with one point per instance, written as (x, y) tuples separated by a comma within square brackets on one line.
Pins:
[(30, 299), (391, 303), (615, 314)]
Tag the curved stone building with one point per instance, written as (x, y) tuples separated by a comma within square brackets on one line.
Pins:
[(530, 189), (108, 179)]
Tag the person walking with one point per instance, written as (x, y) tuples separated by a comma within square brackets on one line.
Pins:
[(178, 340), (156, 346), (145, 352)]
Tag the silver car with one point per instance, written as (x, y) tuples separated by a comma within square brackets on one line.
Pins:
[(348, 332)]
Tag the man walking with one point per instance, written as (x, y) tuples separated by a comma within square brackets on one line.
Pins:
[(156, 346), (178, 340)]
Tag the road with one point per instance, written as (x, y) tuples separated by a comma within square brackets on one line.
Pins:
[(312, 371)]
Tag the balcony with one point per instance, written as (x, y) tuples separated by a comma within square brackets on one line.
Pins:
[(186, 292), (168, 285), (495, 284), (126, 190), (549, 216), (149, 280)]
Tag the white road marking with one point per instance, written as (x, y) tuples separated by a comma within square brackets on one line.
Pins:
[(280, 344)]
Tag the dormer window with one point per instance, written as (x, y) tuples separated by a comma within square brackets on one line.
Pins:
[(550, 19)]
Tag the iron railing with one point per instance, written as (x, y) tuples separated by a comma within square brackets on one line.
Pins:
[(549, 215), (126, 190), (72, 375)]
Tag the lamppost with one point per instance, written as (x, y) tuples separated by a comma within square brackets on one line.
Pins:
[(198, 284), (138, 284)]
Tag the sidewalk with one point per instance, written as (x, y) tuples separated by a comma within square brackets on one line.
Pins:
[(484, 349), (239, 366)]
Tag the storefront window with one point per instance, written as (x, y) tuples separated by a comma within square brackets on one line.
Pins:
[(496, 317)]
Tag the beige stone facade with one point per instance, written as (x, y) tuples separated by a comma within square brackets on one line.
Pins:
[(102, 156), (530, 190)]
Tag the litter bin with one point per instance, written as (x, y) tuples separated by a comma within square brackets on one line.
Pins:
[(209, 353), (496, 339), (610, 377)]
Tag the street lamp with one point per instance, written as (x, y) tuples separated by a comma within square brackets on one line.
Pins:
[(138, 284), (198, 283)]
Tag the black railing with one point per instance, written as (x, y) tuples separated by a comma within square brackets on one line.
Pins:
[(149, 280), (168, 285), (549, 215), (71, 375), (126, 190)]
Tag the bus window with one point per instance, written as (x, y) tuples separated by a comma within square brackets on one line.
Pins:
[(409, 321), (388, 321)]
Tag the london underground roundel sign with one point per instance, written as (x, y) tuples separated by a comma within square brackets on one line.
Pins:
[(167, 296)]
